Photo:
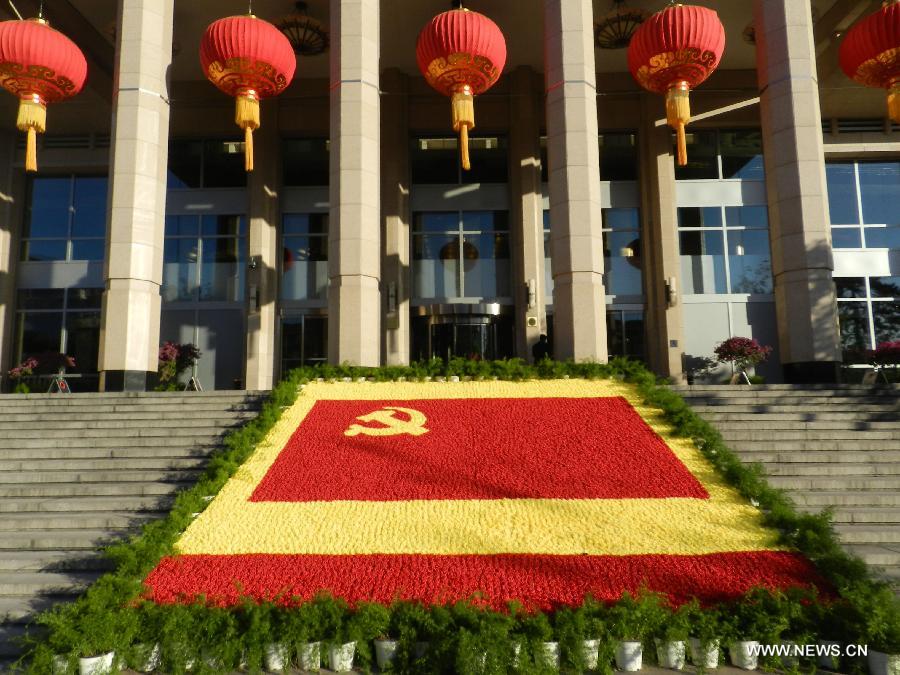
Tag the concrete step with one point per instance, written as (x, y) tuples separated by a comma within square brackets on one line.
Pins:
[(762, 422), (762, 433), (18, 584), (136, 439), (840, 498), (861, 514), (886, 534), (834, 469), (52, 560), (86, 426), (135, 452), (137, 397), (841, 484), (756, 407), (875, 554), (73, 539), (54, 504), (96, 520), (12, 478), (843, 445), (104, 464), (63, 410), (92, 489), (819, 456)]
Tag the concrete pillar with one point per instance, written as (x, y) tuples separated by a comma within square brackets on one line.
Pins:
[(354, 236), (527, 216), (579, 322), (262, 276), (663, 316), (802, 264), (129, 329), (12, 192), (395, 205)]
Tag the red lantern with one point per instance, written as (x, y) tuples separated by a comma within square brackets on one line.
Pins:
[(39, 65), (461, 53), (250, 59), (674, 51), (870, 54)]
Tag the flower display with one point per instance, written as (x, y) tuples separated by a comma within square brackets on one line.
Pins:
[(742, 352), (174, 359), (24, 369), (541, 492)]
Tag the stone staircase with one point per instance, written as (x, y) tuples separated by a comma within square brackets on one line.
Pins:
[(80, 470), (836, 445)]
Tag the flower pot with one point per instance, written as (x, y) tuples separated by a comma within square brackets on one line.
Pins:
[(883, 664), (309, 656), (629, 655), (670, 654), (97, 665), (547, 655), (147, 658), (590, 652), (705, 656), (59, 664), (829, 653), (789, 660), (385, 652), (516, 653), (277, 657), (340, 657), (420, 649), (744, 654)]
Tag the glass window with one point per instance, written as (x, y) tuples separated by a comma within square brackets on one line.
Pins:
[(436, 160), (854, 323), (486, 265), (886, 319), (850, 287), (303, 341), (846, 237), (885, 287), (306, 161), (204, 258), (842, 194), (48, 207), (222, 268), (83, 340), (436, 222), (179, 269), (223, 164), (741, 154), (39, 332), (879, 184), (89, 211), (305, 256), (703, 161), (883, 237), (63, 211), (436, 266), (621, 219), (85, 298), (702, 262), (749, 261), (41, 298), (696, 216), (622, 262), (618, 156), (625, 333), (185, 164), (746, 216)]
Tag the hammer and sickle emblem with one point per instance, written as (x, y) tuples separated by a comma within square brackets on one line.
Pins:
[(393, 426)]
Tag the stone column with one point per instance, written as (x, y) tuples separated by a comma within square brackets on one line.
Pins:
[(12, 193), (805, 303), (395, 205), (129, 329), (663, 316), (262, 276), (527, 217), (354, 235), (579, 321)]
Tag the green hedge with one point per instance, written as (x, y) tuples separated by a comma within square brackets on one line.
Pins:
[(111, 615)]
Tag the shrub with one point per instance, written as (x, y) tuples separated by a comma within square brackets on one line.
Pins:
[(742, 352)]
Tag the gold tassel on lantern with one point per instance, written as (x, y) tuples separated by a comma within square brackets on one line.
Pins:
[(246, 116), (463, 105), (894, 101), (678, 114), (32, 119)]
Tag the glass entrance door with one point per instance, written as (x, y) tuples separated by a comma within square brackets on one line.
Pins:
[(466, 340)]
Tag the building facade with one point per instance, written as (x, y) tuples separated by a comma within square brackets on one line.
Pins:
[(359, 239)]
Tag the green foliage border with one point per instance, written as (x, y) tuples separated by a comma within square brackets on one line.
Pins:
[(865, 611)]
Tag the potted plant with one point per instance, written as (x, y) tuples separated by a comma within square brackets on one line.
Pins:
[(341, 647), (179, 650), (368, 622), (873, 613), (217, 635), (144, 655), (21, 371), (174, 359), (481, 639), (102, 628), (750, 622), (537, 636), (704, 634), (632, 620), (670, 637), (742, 353), (302, 630), (598, 648)]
